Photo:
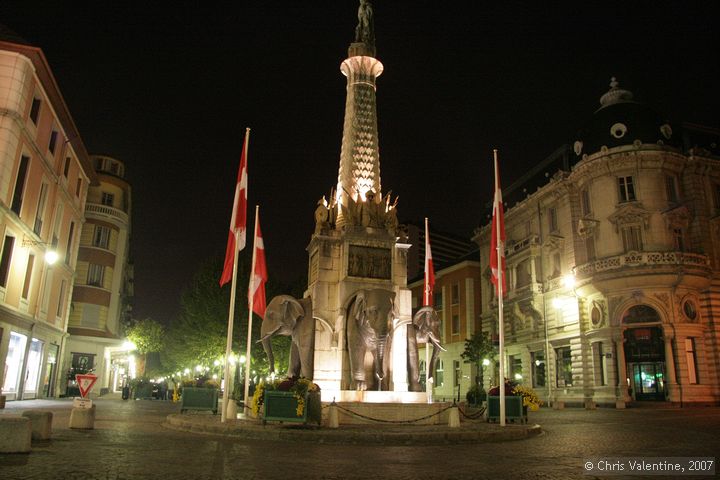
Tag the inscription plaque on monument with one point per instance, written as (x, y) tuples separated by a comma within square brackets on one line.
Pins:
[(369, 262)]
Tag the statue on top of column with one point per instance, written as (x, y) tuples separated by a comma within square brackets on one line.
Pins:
[(365, 30)]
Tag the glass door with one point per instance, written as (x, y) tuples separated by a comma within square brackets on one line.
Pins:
[(13, 364), (50, 370), (649, 381), (32, 373)]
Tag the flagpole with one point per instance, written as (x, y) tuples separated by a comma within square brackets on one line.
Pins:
[(231, 312), (501, 326), (228, 343), (428, 379), (250, 314)]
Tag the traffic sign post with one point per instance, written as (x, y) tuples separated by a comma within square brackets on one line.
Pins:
[(85, 382)]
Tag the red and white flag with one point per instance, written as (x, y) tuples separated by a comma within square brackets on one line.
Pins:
[(429, 270), (256, 289), (497, 239), (238, 220)]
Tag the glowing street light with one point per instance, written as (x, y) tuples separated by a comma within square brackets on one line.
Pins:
[(51, 256)]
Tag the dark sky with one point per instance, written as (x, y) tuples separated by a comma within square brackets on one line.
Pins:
[(170, 87)]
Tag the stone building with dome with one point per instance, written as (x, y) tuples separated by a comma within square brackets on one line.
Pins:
[(613, 263)]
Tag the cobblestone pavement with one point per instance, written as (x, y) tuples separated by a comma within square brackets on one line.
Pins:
[(130, 442)]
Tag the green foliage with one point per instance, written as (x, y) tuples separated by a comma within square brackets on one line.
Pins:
[(147, 335), (478, 347), (199, 334)]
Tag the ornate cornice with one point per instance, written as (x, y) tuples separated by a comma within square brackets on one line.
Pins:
[(629, 213)]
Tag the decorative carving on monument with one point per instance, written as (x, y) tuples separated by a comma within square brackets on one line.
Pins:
[(285, 315), (425, 328), (403, 233), (369, 262), (689, 308), (613, 306), (598, 313), (630, 213), (322, 216), (587, 227), (370, 315), (663, 298), (554, 242), (365, 30), (677, 218)]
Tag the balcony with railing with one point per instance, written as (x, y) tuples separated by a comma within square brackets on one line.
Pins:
[(104, 211), (645, 259)]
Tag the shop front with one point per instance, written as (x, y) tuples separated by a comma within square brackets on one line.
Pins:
[(645, 354)]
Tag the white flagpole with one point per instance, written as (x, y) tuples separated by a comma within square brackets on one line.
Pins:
[(501, 326), (428, 380), (228, 344), (251, 295), (231, 312)]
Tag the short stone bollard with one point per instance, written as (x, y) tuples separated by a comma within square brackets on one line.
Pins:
[(333, 421), (40, 422), (82, 418), (454, 418), (15, 434)]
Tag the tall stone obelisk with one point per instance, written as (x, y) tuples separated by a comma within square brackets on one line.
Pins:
[(357, 243)]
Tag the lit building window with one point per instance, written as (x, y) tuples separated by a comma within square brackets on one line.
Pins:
[(107, 199), (35, 110), (691, 358), (627, 190), (456, 324), (632, 238), (563, 367), (95, 275), (439, 373), (538, 368), (101, 238)]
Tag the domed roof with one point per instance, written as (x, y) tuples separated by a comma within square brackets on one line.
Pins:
[(620, 120)]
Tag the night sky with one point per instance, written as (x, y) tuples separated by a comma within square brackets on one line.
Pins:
[(169, 90)]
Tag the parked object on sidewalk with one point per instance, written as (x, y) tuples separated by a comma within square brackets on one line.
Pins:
[(194, 398), (82, 418), (15, 434), (40, 423)]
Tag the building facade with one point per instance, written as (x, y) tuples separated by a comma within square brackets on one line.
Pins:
[(456, 298), (44, 176), (612, 264), (101, 301)]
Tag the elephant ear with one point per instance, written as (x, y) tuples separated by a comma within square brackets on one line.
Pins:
[(359, 306), (293, 311)]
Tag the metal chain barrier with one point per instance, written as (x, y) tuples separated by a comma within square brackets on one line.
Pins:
[(473, 416), (379, 420)]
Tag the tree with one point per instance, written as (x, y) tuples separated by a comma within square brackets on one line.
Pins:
[(198, 335), (478, 348), (147, 335)]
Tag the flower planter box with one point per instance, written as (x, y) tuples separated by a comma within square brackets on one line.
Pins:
[(199, 399), (514, 409), (282, 406), (143, 391)]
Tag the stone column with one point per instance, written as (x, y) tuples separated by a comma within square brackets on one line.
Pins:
[(670, 378), (621, 395)]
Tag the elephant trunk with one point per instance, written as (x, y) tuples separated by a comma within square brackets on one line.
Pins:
[(267, 346), (380, 360)]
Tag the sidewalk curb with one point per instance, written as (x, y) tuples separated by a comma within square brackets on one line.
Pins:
[(409, 435)]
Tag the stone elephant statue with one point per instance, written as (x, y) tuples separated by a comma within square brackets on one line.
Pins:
[(425, 328), (286, 315), (370, 314)]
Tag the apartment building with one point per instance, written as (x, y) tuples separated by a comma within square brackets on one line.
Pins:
[(45, 173)]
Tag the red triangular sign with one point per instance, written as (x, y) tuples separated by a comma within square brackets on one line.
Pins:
[(85, 383)]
